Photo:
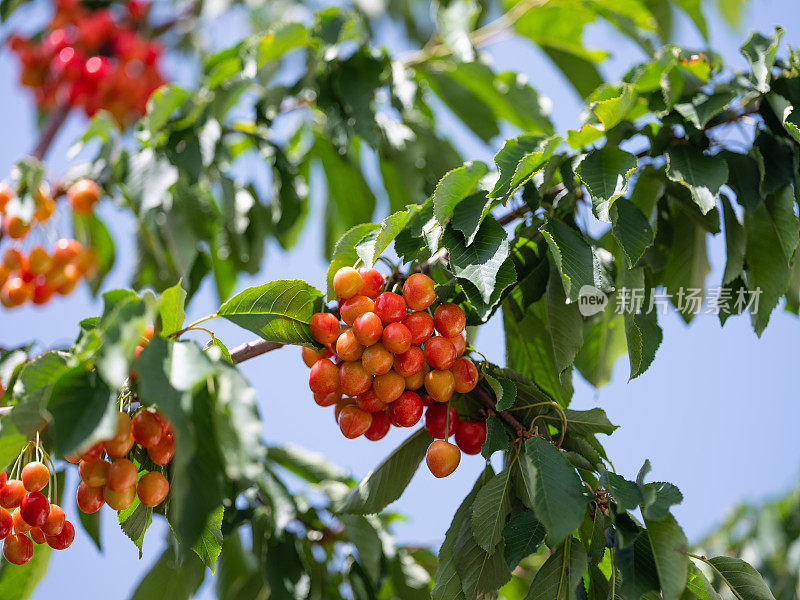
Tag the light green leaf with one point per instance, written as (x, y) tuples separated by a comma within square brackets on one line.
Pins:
[(455, 186), (760, 52), (669, 546), (374, 243), (490, 511), (559, 576), (703, 175), (744, 581), (518, 160), (171, 308), (209, 546), (702, 107), (456, 20), (480, 262)]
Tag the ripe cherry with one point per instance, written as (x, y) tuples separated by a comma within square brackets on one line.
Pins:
[(13, 259), (354, 379), (11, 493), (83, 195), (368, 328), (6, 194), (65, 250), (459, 343), (354, 307), (373, 282), (119, 448), (396, 338), (324, 377), (162, 453), (470, 436), (347, 282), (465, 374), (20, 526), (119, 500), (3, 476), (449, 319), (436, 420), (442, 458), (406, 411), (34, 509), (146, 429), (410, 362), (15, 227), (6, 523), (89, 499), (63, 540), (377, 360), (324, 328), (310, 356), (93, 472), (37, 535), (340, 406), (348, 347), (55, 521), (93, 453), (123, 429), (18, 549), (121, 475), (152, 489), (418, 291), (327, 399), (420, 324), (354, 422), (389, 387), (416, 381), (379, 428), (440, 353), (440, 385), (390, 307), (35, 476), (39, 261), (369, 402)]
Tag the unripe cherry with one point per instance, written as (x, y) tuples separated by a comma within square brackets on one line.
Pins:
[(449, 319), (348, 347), (418, 291), (347, 282), (420, 324), (440, 353), (440, 385), (410, 362), (396, 338), (63, 540), (324, 328), (465, 374), (369, 402), (368, 328), (373, 282), (377, 360), (406, 411), (436, 420), (442, 458), (389, 387), (35, 476), (152, 489), (354, 379), (354, 422), (324, 377), (416, 381), (390, 307), (354, 307), (90, 499), (379, 428), (18, 549), (119, 500), (470, 436)]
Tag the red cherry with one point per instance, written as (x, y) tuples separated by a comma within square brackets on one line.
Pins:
[(327, 399), (418, 291), (35, 476), (34, 509), (440, 353), (406, 411), (121, 475), (410, 362), (152, 489), (324, 377), (354, 307), (3, 476), (470, 436), (449, 319), (354, 422), (389, 386), (146, 429), (390, 307), (162, 453), (310, 356), (324, 328), (93, 472), (368, 328), (465, 374), (37, 536), (90, 499), (348, 347), (11, 494), (373, 282), (420, 324), (377, 360), (436, 420), (369, 402), (459, 343), (18, 549), (55, 521), (6, 523), (396, 338), (379, 428), (63, 540), (354, 379)]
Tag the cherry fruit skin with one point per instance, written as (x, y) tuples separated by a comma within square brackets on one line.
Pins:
[(11, 494), (90, 499), (420, 324), (63, 540), (354, 307), (379, 428), (119, 448), (390, 307), (327, 399), (440, 353), (93, 472), (37, 535), (348, 347), (34, 509), (324, 328), (389, 387), (442, 458), (436, 420), (35, 476), (311, 356), (416, 381), (406, 411), (83, 195), (459, 343), (121, 475), (55, 521), (337, 410), (6, 523), (324, 377), (418, 291), (354, 422), (20, 526), (354, 379), (465, 375), (470, 436), (373, 282), (377, 360), (146, 429), (152, 489), (409, 362), (3, 476), (119, 500), (449, 319), (18, 549), (162, 453), (440, 385), (347, 282), (396, 338), (368, 328), (369, 402)]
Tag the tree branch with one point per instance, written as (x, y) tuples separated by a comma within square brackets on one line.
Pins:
[(49, 130), (486, 399), (252, 349)]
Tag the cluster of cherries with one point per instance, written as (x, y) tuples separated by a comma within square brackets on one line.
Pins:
[(33, 518), (37, 274), (373, 369), (92, 59)]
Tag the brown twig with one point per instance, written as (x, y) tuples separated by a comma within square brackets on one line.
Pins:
[(252, 349), (486, 399), (49, 130)]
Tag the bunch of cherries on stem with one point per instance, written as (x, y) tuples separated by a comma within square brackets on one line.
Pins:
[(390, 348), (32, 273)]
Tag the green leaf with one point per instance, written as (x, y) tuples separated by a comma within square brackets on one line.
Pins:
[(744, 581), (644, 336), (386, 483), (505, 392), (364, 533), (490, 511), (481, 572), (91, 525), (209, 546), (312, 467), (555, 487), (687, 265), (345, 253), (565, 322), (612, 111), (580, 72), (171, 308), (577, 262), (703, 175), (700, 586), (373, 245), (702, 107), (627, 494), (480, 262), (631, 229), (604, 342), (523, 535), (135, 521), (746, 175), (559, 576), (637, 567), (92, 233), (455, 186), (518, 160), (171, 579), (279, 41), (456, 20), (278, 311), (11, 443), (669, 546), (760, 52), (658, 498), (496, 437), (605, 173), (734, 243), (588, 422)]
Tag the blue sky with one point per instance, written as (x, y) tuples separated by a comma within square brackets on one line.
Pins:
[(692, 414)]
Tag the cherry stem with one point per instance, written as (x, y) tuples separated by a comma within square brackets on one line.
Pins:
[(180, 332)]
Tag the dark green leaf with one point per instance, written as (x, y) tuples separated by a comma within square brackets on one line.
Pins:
[(455, 186), (631, 229), (669, 546), (561, 573), (743, 580), (605, 174), (490, 511), (523, 535), (702, 174)]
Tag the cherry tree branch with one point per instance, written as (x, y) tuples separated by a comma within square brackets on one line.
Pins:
[(252, 349), (55, 120)]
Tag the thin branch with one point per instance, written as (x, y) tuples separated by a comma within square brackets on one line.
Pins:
[(252, 349), (486, 399), (49, 130)]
